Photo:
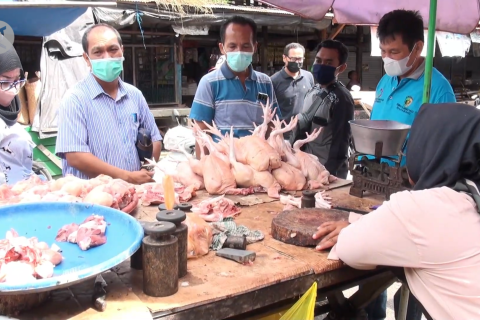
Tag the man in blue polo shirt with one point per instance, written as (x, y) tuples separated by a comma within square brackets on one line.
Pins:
[(400, 91), (399, 98), (231, 95)]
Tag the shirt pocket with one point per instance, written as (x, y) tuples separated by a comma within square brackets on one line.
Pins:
[(132, 124)]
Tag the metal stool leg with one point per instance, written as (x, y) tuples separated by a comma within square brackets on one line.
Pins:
[(403, 307)]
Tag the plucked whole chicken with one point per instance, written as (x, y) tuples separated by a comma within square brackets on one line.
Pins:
[(252, 163)]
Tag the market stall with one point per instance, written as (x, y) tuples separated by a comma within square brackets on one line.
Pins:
[(216, 288)]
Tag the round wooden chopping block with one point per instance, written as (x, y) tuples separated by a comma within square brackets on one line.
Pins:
[(298, 226)]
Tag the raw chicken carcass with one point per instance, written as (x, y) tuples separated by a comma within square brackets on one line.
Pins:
[(184, 174), (199, 236), (257, 153), (246, 176), (316, 174), (216, 209), (289, 177), (253, 150)]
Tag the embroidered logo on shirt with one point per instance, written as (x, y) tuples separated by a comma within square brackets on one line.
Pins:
[(408, 101), (380, 94)]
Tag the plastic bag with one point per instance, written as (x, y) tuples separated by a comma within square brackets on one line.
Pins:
[(304, 308), (200, 236), (179, 137)]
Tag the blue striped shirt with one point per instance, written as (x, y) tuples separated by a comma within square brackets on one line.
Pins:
[(221, 97), (89, 120)]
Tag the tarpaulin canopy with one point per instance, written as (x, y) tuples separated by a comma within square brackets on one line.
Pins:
[(41, 18), (457, 16), (39, 22)]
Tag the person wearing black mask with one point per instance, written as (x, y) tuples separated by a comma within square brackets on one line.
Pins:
[(292, 82), (328, 106), (16, 146)]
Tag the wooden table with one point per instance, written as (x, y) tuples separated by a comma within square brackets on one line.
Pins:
[(216, 288)]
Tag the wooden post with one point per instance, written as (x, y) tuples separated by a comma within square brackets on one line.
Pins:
[(359, 53), (335, 32), (323, 35), (263, 49)]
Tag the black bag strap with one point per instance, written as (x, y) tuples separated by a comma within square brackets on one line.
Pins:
[(470, 188)]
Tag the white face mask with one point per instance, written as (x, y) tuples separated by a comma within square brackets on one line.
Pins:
[(6, 97), (395, 68)]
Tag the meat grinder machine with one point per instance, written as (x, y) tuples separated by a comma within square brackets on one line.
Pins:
[(374, 143)]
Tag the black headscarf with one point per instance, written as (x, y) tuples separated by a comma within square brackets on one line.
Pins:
[(444, 148), (9, 61)]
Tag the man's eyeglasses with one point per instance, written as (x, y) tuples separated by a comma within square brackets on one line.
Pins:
[(8, 85), (293, 59)]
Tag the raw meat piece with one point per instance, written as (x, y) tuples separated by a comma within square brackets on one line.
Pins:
[(6, 193), (121, 192), (74, 187), (91, 233), (216, 209), (65, 231), (51, 256), (152, 193), (56, 185), (99, 197), (22, 260), (44, 269), (25, 185), (199, 236), (60, 196)]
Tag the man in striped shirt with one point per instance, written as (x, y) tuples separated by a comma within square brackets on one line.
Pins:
[(231, 94), (100, 117)]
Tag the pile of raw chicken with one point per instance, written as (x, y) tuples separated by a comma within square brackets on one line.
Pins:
[(252, 163), (102, 190), (23, 260)]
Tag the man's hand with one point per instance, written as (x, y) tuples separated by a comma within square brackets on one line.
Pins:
[(140, 177), (329, 232)]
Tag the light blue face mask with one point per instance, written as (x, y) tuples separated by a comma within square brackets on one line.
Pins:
[(107, 69), (239, 61)]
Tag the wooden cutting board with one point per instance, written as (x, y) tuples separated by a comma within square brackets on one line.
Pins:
[(298, 226)]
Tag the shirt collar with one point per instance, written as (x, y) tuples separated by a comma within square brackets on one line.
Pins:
[(228, 74), (96, 89), (418, 72)]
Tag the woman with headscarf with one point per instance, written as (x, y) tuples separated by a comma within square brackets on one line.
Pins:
[(432, 232), (16, 146)]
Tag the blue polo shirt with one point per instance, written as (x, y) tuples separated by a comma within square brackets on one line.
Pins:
[(221, 97), (401, 100)]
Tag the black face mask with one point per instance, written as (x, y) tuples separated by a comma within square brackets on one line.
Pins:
[(294, 67), (324, 74)]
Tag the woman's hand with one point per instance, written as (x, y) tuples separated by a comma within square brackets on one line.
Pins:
[(329, 232)]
